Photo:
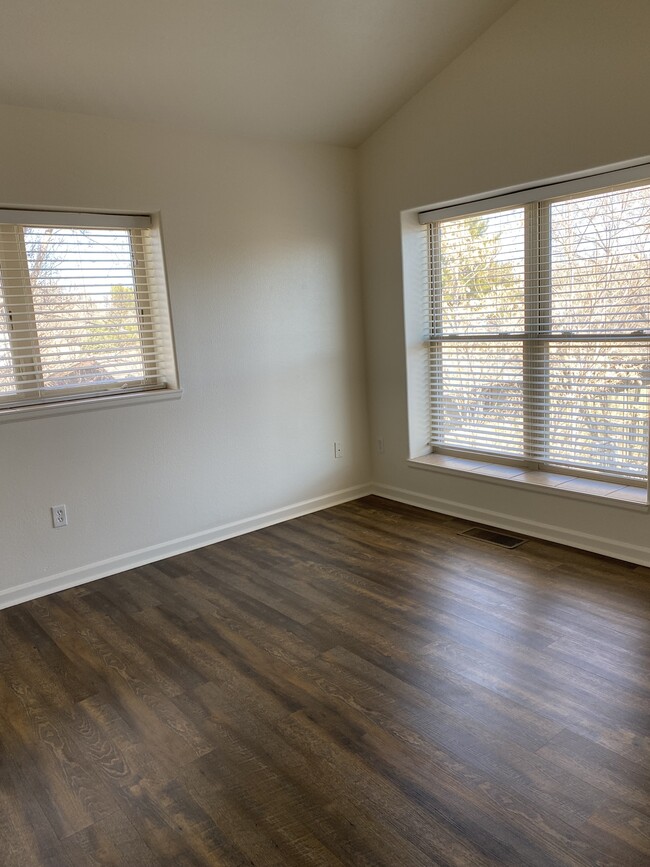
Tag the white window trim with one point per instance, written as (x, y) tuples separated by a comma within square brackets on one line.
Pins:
[(88, 404), (417, 345), (573, 487), (102, 397)]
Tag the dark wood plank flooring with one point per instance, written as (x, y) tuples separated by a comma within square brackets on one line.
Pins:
[(357, 686)]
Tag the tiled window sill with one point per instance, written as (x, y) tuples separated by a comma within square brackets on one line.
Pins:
[(625, 495)]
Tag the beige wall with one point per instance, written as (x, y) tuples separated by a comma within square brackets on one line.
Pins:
[(554, 87), (262, 256)]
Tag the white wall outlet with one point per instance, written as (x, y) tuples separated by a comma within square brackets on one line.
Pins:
[(338, 450), (59, 517)]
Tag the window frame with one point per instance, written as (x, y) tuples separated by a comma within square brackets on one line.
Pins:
[(160, 379), (535, 199)]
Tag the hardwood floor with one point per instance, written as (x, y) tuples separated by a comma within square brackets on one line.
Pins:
[(357, 686)]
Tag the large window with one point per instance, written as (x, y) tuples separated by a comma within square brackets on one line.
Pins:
[(539, 338), (83, 309)]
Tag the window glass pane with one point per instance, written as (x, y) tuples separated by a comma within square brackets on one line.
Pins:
[(478, 387), (85, 306), (7, 380), (600, 260), (598, 406), (571, 394), (480, 267)]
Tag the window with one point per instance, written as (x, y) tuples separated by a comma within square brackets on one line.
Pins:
[(539, 328), (83, 309)]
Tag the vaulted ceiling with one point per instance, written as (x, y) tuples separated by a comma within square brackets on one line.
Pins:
[(305, 70)]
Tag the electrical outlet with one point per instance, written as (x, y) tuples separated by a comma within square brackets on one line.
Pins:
[(338, 450), (380, 445), (59, 517)]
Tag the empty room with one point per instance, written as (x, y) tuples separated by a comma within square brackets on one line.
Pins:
[(324, 433)]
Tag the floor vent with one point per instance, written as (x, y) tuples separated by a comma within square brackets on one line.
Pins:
[(503, 540)]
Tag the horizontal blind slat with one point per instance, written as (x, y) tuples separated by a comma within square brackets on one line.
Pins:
[(82, 310), (539, 332)]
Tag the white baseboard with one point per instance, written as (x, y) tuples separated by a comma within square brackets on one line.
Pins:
[(94, 571), (550, 532), (103, 568)]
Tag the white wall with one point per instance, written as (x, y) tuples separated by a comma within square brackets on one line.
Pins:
[(262, 255), (554, 87)]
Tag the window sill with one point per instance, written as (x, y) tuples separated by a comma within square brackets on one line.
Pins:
[(627, 496), (64, 407)]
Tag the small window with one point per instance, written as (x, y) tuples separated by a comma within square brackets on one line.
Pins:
[(83, 309), (539, 329)]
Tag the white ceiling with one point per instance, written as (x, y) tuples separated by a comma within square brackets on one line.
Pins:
[(306, 70)]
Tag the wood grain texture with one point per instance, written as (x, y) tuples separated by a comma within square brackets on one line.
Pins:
[(357, 686)]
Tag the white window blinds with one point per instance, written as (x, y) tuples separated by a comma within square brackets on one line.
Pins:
[(83, 308), (540, 331)]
